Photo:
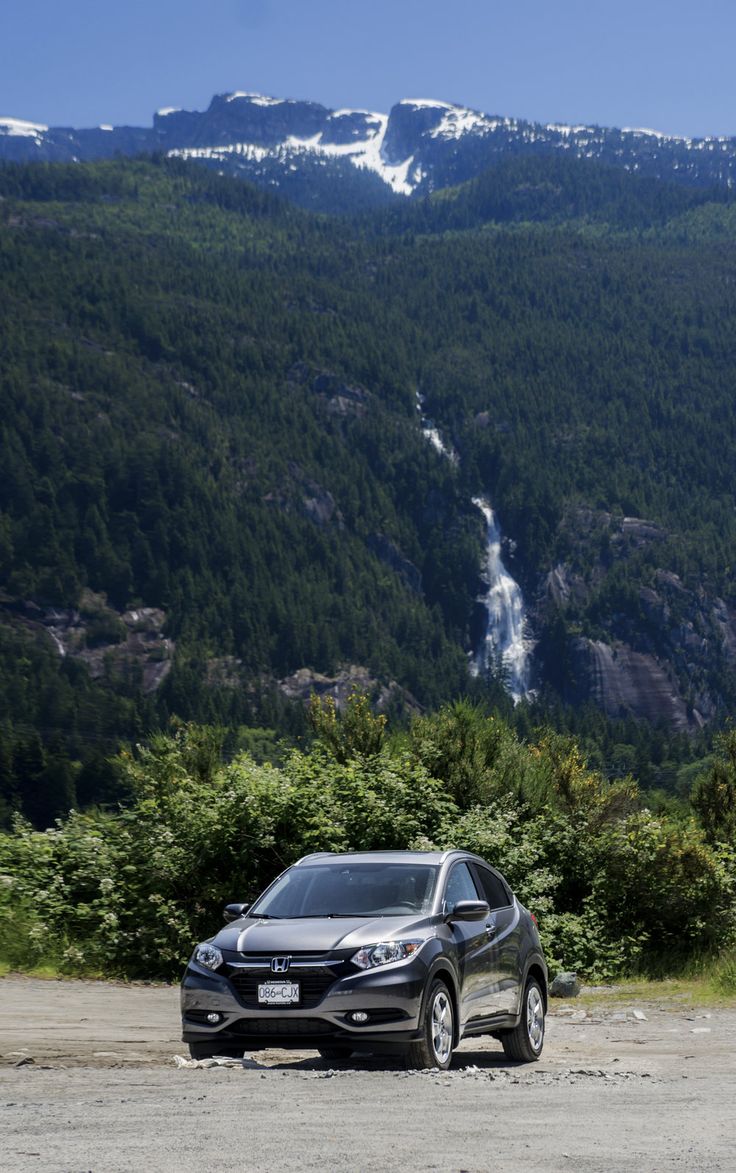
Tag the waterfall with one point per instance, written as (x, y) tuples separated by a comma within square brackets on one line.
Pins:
[(432, 433), (504, 643)]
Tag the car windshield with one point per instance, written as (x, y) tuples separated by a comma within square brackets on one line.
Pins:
[(354, 889)]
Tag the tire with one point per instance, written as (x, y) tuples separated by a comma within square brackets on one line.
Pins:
[(524, 1043), (336, 1054), (435, 1047)]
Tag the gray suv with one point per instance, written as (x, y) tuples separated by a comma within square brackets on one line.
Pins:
[(377, 951)]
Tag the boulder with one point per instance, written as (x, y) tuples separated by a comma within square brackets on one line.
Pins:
[(565, 985)]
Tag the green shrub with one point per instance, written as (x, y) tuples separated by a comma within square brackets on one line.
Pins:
[(616, 889)]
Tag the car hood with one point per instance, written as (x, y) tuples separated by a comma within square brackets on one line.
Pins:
[(314, 934)]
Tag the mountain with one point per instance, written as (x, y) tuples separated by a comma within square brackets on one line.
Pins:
[(351, 159), (243, 448)]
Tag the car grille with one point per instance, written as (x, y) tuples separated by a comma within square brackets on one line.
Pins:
[(296, 1027), (314, 983)]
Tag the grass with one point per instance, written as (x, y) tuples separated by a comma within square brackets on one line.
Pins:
[(715, 985), (723, 977)]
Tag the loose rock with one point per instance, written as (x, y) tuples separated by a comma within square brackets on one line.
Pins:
[(565, 985)]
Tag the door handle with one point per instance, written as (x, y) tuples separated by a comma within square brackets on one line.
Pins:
[(491, 928)]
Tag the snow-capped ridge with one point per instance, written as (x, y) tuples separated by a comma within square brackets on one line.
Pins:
[(256, 99), (646, 132), (18, 128), (427, 104), (346, 112), (420, 146)]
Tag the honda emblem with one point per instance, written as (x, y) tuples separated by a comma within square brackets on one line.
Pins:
[(280, 964)]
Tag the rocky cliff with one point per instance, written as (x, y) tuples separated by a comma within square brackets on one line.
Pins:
[(109, 643), (661, 650)]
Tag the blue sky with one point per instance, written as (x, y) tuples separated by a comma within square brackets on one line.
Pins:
[(664, 64)]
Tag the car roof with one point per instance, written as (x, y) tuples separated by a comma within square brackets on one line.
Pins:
[(434, 858)]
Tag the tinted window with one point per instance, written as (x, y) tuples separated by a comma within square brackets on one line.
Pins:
[(460, 886), (494, 890), (340, 889)]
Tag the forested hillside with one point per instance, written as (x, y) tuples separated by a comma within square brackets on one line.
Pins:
[(214, 473)]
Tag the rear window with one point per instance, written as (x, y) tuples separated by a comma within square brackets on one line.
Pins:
[(494, 889)]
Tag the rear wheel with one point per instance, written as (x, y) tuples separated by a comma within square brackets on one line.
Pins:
[(524, 1043), (434, 1049)]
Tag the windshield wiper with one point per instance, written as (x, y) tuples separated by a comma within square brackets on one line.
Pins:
[(327, 916)]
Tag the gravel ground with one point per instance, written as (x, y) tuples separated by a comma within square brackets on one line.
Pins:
[(89, 1082)]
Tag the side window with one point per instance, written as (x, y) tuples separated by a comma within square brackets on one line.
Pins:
[(494, 889), (460, 886)]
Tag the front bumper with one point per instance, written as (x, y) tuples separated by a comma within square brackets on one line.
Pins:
[(391, 996)]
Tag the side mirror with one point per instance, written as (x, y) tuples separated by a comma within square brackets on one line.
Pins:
[(235, 911), (469, 910)]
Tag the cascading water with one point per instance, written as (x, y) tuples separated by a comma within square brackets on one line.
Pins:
[(504, 643), (432, 433)]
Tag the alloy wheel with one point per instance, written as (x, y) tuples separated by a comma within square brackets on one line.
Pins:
[(535, 1018), (442, 1024)]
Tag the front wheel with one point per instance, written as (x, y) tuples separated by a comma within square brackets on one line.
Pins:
[(524, 1043), (435, 1047)]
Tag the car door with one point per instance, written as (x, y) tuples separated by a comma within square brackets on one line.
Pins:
[(471, 940), (502, 956)]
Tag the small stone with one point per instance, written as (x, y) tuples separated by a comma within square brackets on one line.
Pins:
[(640, 1016), (565, 985)]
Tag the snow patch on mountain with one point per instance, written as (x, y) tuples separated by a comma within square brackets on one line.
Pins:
[(566, 131), (348, 113), (458, 122), (243, 150), (255, 99), (427, 104), (363, 153), (17, 128), (645, 132)]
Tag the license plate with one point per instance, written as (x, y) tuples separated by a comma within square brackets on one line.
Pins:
[(278, 993)]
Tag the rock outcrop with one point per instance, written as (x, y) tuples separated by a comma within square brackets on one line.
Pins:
[(108, 642), (625, 683), (654, 648), (304, 682)]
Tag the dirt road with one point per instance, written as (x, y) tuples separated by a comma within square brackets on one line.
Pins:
[(88, 1082)]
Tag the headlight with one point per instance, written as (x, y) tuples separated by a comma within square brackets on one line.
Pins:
[(385, 952), (209, 956)]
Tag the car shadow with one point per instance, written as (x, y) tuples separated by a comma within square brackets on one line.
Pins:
[(484, 1060)]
